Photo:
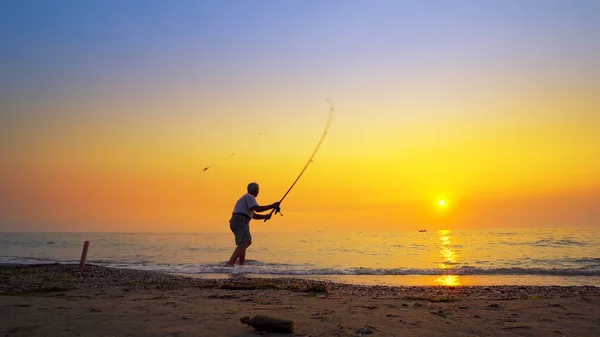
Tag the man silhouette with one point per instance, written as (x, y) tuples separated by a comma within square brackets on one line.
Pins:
[(245, 209)]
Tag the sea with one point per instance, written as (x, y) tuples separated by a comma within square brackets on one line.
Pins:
[(549, 257)]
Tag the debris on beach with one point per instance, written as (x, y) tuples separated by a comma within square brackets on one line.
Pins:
[(267, 323), (366, 330)]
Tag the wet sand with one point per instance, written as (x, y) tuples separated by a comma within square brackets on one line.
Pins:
[(60, 300)]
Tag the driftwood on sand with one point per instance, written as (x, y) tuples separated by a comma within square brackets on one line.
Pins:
[(267, 323)]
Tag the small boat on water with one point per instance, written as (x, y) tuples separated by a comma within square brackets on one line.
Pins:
[(422, 230)]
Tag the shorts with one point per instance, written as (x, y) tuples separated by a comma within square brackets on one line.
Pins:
[(240, 226)]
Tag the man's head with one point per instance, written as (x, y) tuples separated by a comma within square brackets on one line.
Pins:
[(253, 189)]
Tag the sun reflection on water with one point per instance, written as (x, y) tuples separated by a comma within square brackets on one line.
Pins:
[(449, 258), (448, 280)]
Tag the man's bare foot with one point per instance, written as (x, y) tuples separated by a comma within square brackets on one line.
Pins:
[(229, 265)]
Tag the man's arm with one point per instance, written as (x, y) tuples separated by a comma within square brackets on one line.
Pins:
[(258, 208), (257, 216)]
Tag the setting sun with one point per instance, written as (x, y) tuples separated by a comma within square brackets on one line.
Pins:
[(442, 203)]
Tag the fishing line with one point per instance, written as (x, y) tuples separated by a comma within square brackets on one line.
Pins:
[(331, 109)]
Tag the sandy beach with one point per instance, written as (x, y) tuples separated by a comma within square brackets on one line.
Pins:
[(61, 300)]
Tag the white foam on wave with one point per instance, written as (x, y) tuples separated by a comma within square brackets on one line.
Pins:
[(300, 271), (258, 268), (24, 260)]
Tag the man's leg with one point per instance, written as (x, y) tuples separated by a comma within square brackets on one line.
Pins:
[(239, 250), (242, 256)]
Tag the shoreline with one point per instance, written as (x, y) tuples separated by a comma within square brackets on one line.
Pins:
[(428, 280), (147, 303), (69, 277), (503, 278)]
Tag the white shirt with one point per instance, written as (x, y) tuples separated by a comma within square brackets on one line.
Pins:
[(244, 203)]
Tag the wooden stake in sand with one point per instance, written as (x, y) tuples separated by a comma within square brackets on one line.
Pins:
[(266, 323), (86, 244)]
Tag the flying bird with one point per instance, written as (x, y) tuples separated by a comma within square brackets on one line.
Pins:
[(206, 168)]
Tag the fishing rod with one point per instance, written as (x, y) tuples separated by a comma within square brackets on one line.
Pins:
[(331, 109)]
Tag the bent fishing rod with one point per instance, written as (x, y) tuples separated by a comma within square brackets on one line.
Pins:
[(331, 109)]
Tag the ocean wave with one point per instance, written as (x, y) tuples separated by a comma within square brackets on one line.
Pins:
[(28, 260), (543, 243), (259, 268), (594, 260), (276, 269)]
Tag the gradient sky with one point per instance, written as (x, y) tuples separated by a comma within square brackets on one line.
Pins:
[(110, 110)]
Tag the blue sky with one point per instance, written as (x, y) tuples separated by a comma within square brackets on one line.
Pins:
[(52, 44)]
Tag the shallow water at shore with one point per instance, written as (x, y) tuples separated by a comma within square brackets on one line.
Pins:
[(473, 257), (426, 280)]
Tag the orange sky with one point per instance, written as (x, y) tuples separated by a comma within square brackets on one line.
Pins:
[(488, 113), (375, 174)]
